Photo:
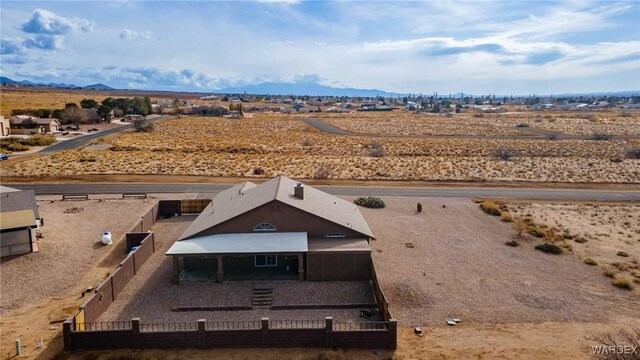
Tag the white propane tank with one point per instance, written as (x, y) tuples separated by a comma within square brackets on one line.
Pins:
[(106, 238)]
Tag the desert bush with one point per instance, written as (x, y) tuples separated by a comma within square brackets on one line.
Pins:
[(600, 136), (376, 149), (549, 248), (551, 136), (478, 114), (590, 261), (633, 153), (307, 142), (504, 153), (506, 217), (615, 159), (142, 125), (370, 202), (522, 125), (39, 140), (621, 283), (512, 243), (624, 337), (490, 208), (534, 231), (322, 172), (625, 114), (419, 207), (258, 171)]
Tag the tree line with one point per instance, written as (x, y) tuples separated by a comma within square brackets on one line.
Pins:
[(71, 113)]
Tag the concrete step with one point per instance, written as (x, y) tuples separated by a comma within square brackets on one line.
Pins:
[(262, 298)]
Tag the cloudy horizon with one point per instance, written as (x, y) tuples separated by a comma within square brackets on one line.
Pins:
[(515, 47)]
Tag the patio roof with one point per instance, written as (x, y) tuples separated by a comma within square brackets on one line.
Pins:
[(245, 243), (339, 245)]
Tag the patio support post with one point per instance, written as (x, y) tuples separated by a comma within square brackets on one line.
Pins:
[(175, 276), (220, 271), (300, 267)]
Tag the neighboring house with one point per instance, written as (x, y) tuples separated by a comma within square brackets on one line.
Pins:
[(4, 126), (280, 229), (25, 125), (210, 110), (19, 219)]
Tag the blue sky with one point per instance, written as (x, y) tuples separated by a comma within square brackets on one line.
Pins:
[(481, 47)]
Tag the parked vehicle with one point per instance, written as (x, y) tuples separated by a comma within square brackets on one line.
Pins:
[(4, 156)]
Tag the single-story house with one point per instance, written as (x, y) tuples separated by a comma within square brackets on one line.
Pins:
[(280, 229), (19, 219), (25, 125), (4, 126), (210, 110)]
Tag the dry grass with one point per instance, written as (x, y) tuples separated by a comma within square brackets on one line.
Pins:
[(598, 234), (233, 148)]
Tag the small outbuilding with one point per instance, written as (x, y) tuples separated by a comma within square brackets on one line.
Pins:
[(19, 219)]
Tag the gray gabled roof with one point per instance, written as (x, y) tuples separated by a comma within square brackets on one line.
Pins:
[(247, 196), (14, 200)]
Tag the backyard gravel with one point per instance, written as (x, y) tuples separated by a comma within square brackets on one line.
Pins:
[(150, 295)]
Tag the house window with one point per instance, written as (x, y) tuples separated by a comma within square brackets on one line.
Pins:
[(265, 227), (335, 235), (265, 260)]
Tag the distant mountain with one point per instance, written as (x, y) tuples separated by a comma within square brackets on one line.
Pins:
[(303, 88), (98, 86), (6, 80)]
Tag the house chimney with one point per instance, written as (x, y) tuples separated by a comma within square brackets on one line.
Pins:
[(298, 191)]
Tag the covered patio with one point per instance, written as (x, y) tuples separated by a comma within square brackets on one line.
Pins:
[(244, 256)]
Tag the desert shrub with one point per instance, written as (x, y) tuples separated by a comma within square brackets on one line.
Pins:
[(522, 125), (13, 146), (600, 136), (512, 243), (534, 231), (549, 248), (609, 272), (621, 283), (590, 261), (258, 171), (504, 153), (551, 136), (142, 125), (419, 207), (376, 149), (478, 114), (506, 217), (307, 142), (633, 153), (39, 140), (615, 159), (625, 114), (322, 172), (370, 202), (490, 208), (624, 337)]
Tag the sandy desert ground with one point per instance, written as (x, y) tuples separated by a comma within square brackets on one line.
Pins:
[(268, 145), (458, 267)]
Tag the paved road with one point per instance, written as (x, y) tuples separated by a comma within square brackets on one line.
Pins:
[(81, 140), (535, 194)]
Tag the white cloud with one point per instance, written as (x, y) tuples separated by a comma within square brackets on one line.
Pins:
[(46, 22), (135, 35)]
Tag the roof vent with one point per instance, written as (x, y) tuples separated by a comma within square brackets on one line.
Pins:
[(298, 191)]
